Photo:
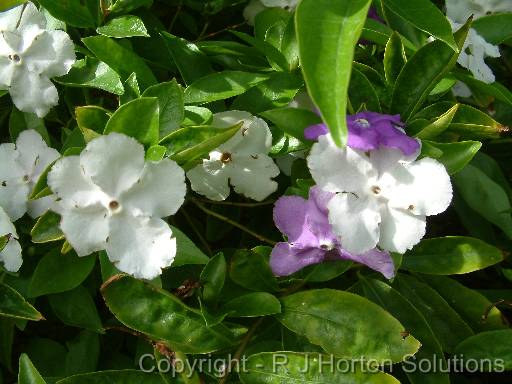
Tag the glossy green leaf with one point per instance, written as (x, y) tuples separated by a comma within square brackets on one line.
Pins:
[(326, 271), (92, 73), (221, 85), (47, 228), (445, 322), (186, 251), (496, 28), (123, 60), (13, 305), (83, 354), (155, 153), (124, 6), (4, 240), (250, 270), (439, 125), (92, 121), (289, 368), (197, 116), (79, 13), (27, 373), (455, 156), (7, 4), (362, 93), (292, 121), (336, 320), (252, 305), (376, 32), (131, 89), (111, 377), (493, 348), (394, 58), (424, 15), (212, 278), (138, 118), (327, 32), (124, 26), (497, 90), (59, 273), (20, 121), (170, 100), (478, 312), (161, 316)]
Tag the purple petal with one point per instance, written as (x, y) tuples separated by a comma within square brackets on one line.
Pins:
[(392, 137), (290, 217), (286, 259), (372, 14), (313, 132), (318, 215), (375, 259)]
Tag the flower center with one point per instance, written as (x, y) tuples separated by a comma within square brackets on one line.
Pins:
[(327, 246), (114, 205), (26, 178), (16, 58), (363, 123), (226, 157), (376, 190)]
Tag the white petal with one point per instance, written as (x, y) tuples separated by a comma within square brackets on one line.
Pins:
[(38, 207), (7, 71), (10, 168), (207, 182), (33, 93), (385, 159), (252, 10), (6, 225), (356, 221), (422, 187), (68, 182), (86, 229), (34, 154), (400, 230), (280, 3), (252, 176), (31, 16), (10, 255), (9, 19), (113, 162), (160, 192), (140, 246), (339, 170), (14, 197)]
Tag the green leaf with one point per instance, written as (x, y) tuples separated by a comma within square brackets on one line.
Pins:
[(27, 373), (394, 58), (111, 377), (414, 322), (424, 15), (326, 271), (78, 13), (13, 305), (422, 72), (170, 100), (212, 278), (155, 153), (186, 251), (21, 121), (83, 355), (439, 125), (485, 196), (92, 121), (327, 32), (495, 29), (292, 121), (362, 93), (7, 4), (346, 325), (76, 308), (197, 116), (59, 273), (221, 85), (163, 317), (252, 305), (124, 6), (132, 90), (455, 156), (497, 90), (445, 322), (138, 118), (4, 240), (289, 368), (47, 229), (124, 26), (92, 73), (123, 60), (250, 269), (492, 348), (478, 312)]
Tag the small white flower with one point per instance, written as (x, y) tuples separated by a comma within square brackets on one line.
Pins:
[(257, 6), (110, 198), (29, 56), (379, 200), (242, 161), (10, 255), (460, 10), (21, 165)]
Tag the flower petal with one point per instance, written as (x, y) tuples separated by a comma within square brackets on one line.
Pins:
[(400, 230), (31, 16), (140, 246), (286, 259), (33, 93), (375, 259), (313, 132), (34, 153), (86, 229), (212, 184), (255, 138), (356, 221), (38, 207), (318, 215), (252, 176), (113, 162), (11, 256), (160, 192), (290, 214)]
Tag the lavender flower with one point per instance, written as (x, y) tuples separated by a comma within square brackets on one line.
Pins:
[(311, 239)]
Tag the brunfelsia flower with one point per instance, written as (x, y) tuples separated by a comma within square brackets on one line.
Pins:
[(311, 239), (460, 10), (21, 165), (242, 161), (10, 254), (368, 131), (380, 200), (29, 56), (110, 198), (257, 6)]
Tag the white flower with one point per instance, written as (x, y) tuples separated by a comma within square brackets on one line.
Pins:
[(242, 161), (10, 255), (461, 10), (257, 6), (379, 201), (110, 198), (29, 56), (21, 165)]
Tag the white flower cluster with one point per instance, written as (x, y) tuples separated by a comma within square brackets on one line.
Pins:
[(382, 199), (29, 56), (257, 6)]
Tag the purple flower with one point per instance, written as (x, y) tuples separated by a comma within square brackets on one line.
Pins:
[(311, 239), (369, 131)]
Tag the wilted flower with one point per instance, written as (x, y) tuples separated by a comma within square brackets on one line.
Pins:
[(29, 56), (311, 239), (21, 165), (110, 198), (10, 249), (242, 161)]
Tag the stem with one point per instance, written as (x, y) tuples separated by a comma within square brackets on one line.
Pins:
[(196, 231), (175, 17), (237, 204), (233, 223), (221, 31)]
